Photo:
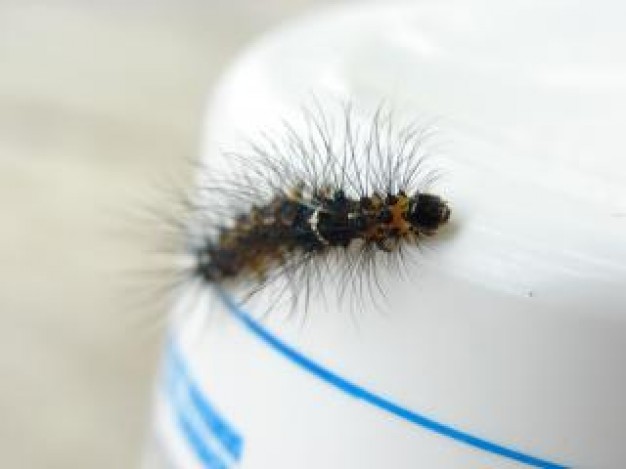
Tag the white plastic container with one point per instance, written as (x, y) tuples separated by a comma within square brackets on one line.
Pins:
[(506, 348)]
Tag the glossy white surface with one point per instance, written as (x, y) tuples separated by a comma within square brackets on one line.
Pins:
[(513, 326)]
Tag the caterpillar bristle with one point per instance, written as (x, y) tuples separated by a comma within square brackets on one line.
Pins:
[(303, 203)]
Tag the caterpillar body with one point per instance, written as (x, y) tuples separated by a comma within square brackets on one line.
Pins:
[(301, 201), (268, 235)]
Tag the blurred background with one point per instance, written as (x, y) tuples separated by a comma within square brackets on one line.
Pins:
[(98, 100)]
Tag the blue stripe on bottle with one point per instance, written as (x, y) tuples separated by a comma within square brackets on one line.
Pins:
[(201, 424), (382, 403)]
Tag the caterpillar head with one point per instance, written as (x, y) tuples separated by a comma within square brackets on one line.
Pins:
[(427, 212)]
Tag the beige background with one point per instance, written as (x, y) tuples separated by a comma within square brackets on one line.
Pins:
[(98, 101)]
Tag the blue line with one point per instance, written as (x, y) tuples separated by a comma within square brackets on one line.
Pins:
[(181, 416), (229, 440), (373, 399), (209, 459), (209, 416)]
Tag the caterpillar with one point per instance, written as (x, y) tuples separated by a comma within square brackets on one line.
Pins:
[(316, 201)]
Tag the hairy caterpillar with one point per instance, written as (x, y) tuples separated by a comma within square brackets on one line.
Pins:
[(315, 203)]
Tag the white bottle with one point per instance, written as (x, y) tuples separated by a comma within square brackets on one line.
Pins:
[(513, 335)]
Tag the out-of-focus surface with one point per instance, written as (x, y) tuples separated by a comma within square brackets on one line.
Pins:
[(98, 100)]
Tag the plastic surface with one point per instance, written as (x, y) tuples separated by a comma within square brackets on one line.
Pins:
[(513, 326)]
